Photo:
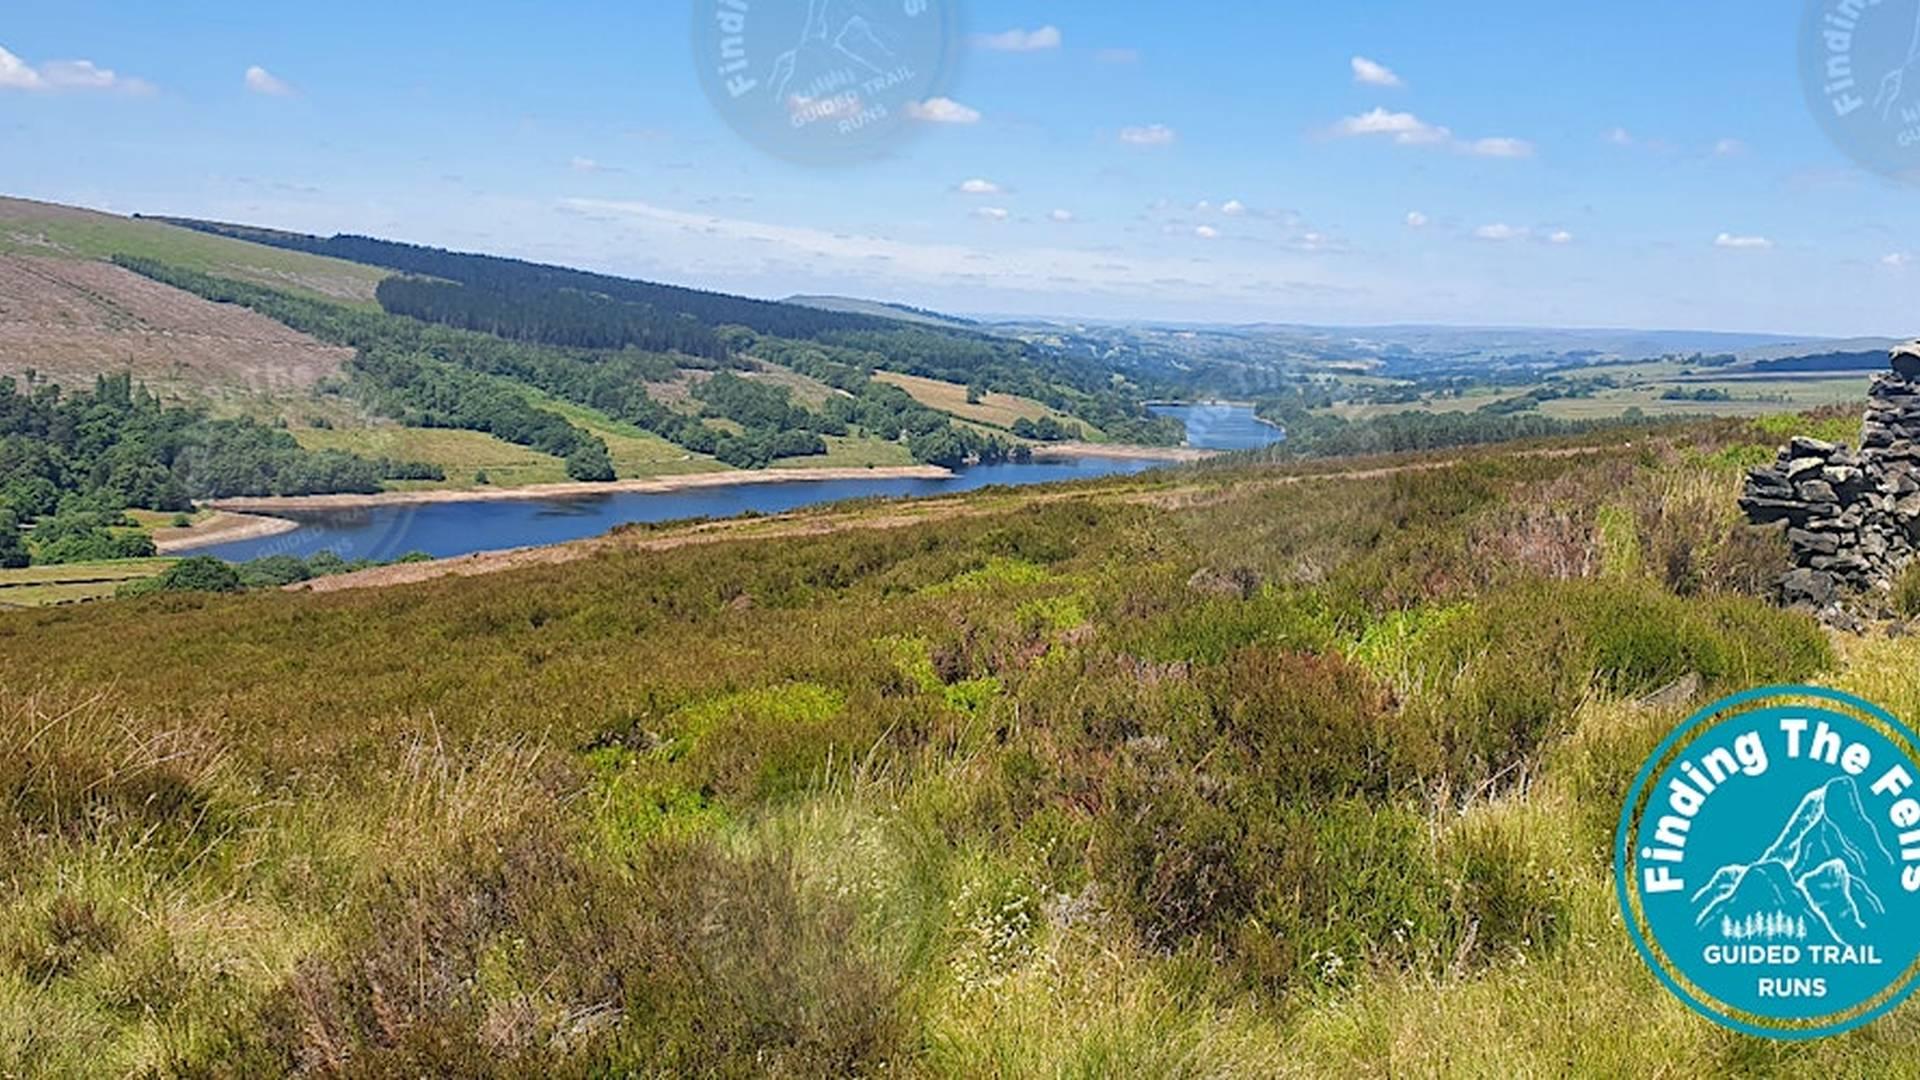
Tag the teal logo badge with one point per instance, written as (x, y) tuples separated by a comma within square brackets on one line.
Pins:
[(1768, 862)]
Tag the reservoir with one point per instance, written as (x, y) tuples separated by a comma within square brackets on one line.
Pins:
[(1222, 425), (445, 530)]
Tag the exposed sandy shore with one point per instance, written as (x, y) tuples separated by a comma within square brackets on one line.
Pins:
[(662, 484), (221, 528), (1056, 451)]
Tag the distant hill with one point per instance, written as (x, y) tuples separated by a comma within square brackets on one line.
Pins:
[(657, 316), (880, 309)]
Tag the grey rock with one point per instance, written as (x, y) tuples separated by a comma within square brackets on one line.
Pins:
[(1820, 448), (1817, 491), (1800, 468), (1817, 542), (1906, 360), (1808, 587)]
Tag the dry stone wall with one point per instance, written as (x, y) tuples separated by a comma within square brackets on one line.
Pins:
[(1852, 517)]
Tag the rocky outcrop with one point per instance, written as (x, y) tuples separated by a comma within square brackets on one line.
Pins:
[(1852, 517)]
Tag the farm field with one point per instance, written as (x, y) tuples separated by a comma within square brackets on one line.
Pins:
[(47, 586), (994, 410)]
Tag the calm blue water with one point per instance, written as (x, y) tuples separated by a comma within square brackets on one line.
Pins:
[(1220, 426), (444, 530)]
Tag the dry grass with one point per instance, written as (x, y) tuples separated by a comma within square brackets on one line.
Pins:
[(994, 410), (72, 320)]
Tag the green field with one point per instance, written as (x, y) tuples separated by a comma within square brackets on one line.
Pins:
[(45, 586), (28, 228), (994, 411), (1749, 398), (844, 452)]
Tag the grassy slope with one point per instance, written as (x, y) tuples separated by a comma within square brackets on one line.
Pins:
[(30, 228), (993, 411), (1012, 791)]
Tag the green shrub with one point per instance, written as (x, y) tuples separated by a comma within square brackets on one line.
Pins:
[(201, 573)]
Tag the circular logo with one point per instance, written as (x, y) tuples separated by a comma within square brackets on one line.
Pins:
[(1768, 862), (1860, 64), (825, 82)]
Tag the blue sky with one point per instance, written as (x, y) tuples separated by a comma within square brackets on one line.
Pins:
[(1627, 164)]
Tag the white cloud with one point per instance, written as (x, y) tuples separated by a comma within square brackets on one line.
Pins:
[(978, 186), (1206, 232), (1062, 216), (1233, 208), (1742, 243), (1560, 236), (1405, 128), (992, 213), (1619, 137), (585, 164), (261, 81), (15, 74), (1371, 73), (1897, 260), (1118, 56), (1729, 148), (1150, 135), (1500, 148), (1047, 37), (1417, 220), (942, 110), (1501, 233), (58, 75)]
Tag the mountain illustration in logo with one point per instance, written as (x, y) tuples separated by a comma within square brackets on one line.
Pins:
[(1811, 884)]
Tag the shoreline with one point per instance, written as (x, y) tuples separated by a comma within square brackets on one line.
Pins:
[(1072, 450), (224, 527), (655, 486)]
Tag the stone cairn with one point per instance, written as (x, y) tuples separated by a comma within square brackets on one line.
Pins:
[(1853, 518)]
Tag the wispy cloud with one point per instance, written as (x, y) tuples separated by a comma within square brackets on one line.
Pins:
[(1742, 243), (1897, 260), (992, 213), (1500, 148), (1501, 232), (261, 81), (1406, 129), (942, 110), (1403, 127), (1373, 73), (1041, 40), (978, 186), (1149, 135), (1560, 236), (1619, 137), (1206, 232), (1417, 220), (55, 76), (1729, 148), (1062, 217)]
